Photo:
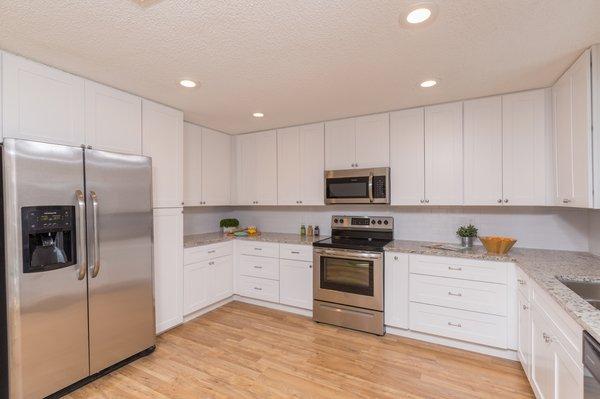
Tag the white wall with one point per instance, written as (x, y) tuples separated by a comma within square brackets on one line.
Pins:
[(534, 227), (594, 233), (199, 220)]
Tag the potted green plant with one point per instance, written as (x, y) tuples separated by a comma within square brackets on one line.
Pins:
[(467, 234), (229, 225)]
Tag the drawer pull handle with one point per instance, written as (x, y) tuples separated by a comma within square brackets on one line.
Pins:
[(211, 263), (454, 324), (454, 268), (454, 293), (258, 288), (212, 251), (258, 249), (521, 281), (258, 267), (547, 338), (296, 252)]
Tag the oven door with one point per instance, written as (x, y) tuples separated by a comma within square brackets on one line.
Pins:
[(348, 277)]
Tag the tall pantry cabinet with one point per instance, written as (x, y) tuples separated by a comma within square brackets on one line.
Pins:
[(162, 139)]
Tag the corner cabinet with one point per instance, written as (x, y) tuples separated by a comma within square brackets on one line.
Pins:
[(162, 139), (257, 168), (572, 105), (113, 119), (362, 142), (300, 165), (41, 103), (168, 268)]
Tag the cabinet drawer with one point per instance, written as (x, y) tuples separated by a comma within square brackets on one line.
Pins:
[(459, 294), (522, 284), (259, 288), (296, 252), (204, 252), (257, 248), (466, 269), (257, 266), (468, 326)]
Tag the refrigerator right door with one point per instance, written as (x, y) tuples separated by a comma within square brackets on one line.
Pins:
[(119, 217)]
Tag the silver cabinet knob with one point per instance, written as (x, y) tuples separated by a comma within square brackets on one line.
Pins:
[(506, 200), (395, 258), (525, 307), (547, 338), (427, 201), (182, 202), (422, 201), (500, 201), (356, 165)]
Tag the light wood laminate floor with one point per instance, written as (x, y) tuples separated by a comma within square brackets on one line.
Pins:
[(246, 351)]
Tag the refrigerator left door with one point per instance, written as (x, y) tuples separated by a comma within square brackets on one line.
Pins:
[(45, 266)]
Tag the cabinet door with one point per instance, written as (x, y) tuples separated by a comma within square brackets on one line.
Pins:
[(396, 289), (163, 141), (222, 270), (168, 267), (266, 168), (407, 156), (192, 164), (444, 154), (483, 151), (41, 103), (288, 166), (542, 356), (113, 119), (524, 148), (247, 163), (340, 144), (295, 283), (312, 164), (524, 333), (197, 284), (373, 141), (216, 168), (568, 374)]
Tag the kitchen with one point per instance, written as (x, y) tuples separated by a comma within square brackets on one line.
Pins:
[(126, 151)]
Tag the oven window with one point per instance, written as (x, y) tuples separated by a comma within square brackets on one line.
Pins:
[(348, 187), (347, 275)]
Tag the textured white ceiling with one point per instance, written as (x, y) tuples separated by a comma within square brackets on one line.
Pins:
[(301, 61)]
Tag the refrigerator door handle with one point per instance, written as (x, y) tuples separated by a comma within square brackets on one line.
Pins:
[(96, 266), (81, 228)]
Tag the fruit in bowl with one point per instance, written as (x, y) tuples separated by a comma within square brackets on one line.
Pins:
[(497, 245), (251, 230)]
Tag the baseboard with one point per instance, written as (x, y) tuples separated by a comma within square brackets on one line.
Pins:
[(272, 305), (453, 343), (207, 309)]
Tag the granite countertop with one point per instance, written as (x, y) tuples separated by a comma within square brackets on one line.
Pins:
[(195, 240), (542, 266)]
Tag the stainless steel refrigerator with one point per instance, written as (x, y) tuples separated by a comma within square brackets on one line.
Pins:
[(77, 243)]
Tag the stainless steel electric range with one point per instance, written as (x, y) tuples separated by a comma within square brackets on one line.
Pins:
[(348, 273)]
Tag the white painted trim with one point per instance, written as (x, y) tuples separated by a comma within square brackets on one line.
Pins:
[(207, 309), (452, 343), (272, 305)]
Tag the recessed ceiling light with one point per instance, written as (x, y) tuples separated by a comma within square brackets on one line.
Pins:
[(258, 114), (428, 83), (418, 15), (187, 83)]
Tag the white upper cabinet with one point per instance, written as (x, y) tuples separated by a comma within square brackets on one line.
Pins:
[(483, 151), (300, 165), (573, 134), (192, 164), (444, 154), (113, 119), (41, 103), (407, 156), (162, 140), (257, 168), (216, 168), (361, 142), (524, 146)]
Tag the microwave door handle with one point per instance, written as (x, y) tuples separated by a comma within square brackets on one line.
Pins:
[(371, 187)]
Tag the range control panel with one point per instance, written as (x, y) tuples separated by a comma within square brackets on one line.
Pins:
[(362, 222)]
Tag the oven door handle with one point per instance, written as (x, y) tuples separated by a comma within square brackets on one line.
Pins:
[(371, 186), (348, 254)]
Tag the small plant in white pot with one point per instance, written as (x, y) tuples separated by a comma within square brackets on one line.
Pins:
[(229, 225), (467, 234)]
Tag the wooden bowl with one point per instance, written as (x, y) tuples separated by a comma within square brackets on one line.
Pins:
[(497, 245)]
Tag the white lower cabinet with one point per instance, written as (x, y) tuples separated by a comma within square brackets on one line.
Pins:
[(524, 333), (296, 283), (168, 267), (396, 289)]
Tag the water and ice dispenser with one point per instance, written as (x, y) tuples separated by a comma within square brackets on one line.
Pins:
[(49, 241)]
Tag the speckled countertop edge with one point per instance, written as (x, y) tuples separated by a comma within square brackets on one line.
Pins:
[(543, 266), (195, 240)]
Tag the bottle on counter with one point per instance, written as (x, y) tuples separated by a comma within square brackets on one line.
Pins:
[(302, 230), (317, 231), (309, 231)]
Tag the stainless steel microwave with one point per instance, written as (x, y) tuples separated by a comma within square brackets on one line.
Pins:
[(357, 186)]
